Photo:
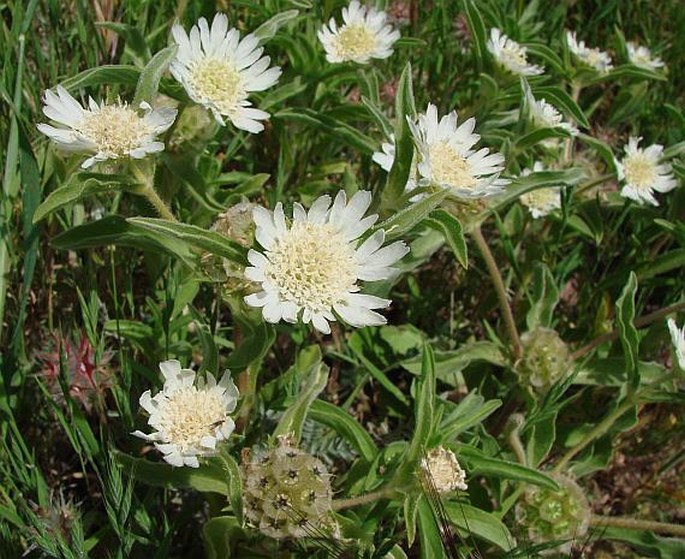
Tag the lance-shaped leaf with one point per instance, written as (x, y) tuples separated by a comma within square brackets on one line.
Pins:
[(424, 406), (270, 27), (314, 378), (625, 314), (107, 74), (451, 228), (405, 220), (148, 83), (82, 185), (545, 298)]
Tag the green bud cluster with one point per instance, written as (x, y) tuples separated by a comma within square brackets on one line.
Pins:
[(554, 515), (287, 493), (546, 358)]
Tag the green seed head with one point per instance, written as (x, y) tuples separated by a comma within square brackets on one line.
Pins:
[(546, 358)]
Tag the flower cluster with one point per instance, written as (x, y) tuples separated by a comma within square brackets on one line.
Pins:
[(542, 201), (511, 55), (642, 172), (189, 416), (593, 57), (287, 492), (445, 472)]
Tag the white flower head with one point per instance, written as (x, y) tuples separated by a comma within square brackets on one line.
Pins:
[(447, 160), (593, 57), (511, 55), (189, 417), (542, 201), (444, 468), (312, 265), (107, 131), (545, 115), (678, 338), (386, 157), (219, 71), (642, 172), (642, 56), (364, 34)]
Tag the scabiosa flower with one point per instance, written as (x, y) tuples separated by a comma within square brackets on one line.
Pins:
[(511, 55), (546, 358), (444, 469), (642, 173), (550, 515), (363, 35), (545, 115), (642, 56), (542, 201), (446, 159), (678, 338), (107, 131), (593, 57), (287, 492), (189, 417), (312, 266), (219, 71)]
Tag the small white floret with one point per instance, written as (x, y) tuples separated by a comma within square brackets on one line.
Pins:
[(512, 56), (643, 173)]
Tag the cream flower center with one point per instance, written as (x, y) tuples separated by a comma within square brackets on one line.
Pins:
[(449, 167), (219, 82), (355, 41), (514, 55), (189, 415), (546, 114), (115, 129), (639, 170), (312, 266), (594, 57), (541, 199)]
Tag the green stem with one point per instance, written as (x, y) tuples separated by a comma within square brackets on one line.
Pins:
[(385, 493), (638, 524), (500, 290), (514, 440), (597, 432), (162, 209)]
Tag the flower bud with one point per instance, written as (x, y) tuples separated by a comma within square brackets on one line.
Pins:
[(546, 358)]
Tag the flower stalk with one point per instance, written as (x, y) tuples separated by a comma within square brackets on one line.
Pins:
[(638, 524)]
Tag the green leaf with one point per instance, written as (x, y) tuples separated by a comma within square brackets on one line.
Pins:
[(270, 27), (475, 522), (562, 100), (632, 71), (115, 230), (278, 95), (197, 237), (539, 135), (234, 480), (451, 228), (477, 28), (645, 541), (471, 411), (545, 298), (218, 534), (602, 148), (107, 74), (411, 509), (210, 354), (346, 426), (207, 478), (135, 41), (82, 185), (404, 144), (479, 463), (148, 83), (424, 406), (257, 340), (429, 534), (405, 220), (625, 314), (549, 57), (314, 380)]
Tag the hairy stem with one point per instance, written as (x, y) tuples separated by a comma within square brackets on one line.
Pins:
[(638, 524), (640, 322), (162, 209), (501, 291), (385, 493)]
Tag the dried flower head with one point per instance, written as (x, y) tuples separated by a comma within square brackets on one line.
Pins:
[(554, 515), (219, 71), (444, 469), (312, 265), (642, 172), (107, 131), (447, 160), (363, 35), (511, 55), (542, 201), (287, 492), (546, 358), (189, 416)]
